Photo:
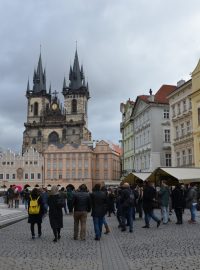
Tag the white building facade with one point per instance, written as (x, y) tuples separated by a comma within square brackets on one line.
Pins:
[(21, 169), (126, 128), (151, 125), (182, 143)]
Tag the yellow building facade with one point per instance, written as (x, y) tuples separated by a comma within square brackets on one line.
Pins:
[(195, 99)]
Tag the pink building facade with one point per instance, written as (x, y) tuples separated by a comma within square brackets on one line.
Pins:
[(78, 164)]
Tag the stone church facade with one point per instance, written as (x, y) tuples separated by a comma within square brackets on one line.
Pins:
[(48, 121)]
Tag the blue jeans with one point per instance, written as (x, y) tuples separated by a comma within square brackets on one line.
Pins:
[(193, 212), (104, 221), (165, 214), (127, 213), (98, 223), (148, 217)]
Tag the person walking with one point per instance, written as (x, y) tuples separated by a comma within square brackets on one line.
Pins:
[(55, 203), (111, 202), (178, 203), (127, 203), (99, 209), (26, 195), (63, 194), (70, 200), (149, 199), (16, 197), (10, 195), (191, 202), (164, 201), (35, 212), (81, 205)]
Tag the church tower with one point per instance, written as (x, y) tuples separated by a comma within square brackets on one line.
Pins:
[(48, 122), (45, 115), (76, 97)]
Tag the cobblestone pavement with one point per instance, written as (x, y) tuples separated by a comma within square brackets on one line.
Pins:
[(168, 247)]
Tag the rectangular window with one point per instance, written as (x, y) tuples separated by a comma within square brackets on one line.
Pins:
[(54, 175), (60, 175), (190, 103), (12, 163), (1, 175), (167, 135), (189, 156), (49, 174), (97, 174), (38, 175), (13, 176), (32, 175), (182, 129), (48, 164), (105, 175), (8, 163), (7, 176), (73, 163), (35, 162), (188, 127), (4, 163), (54, 165), (168, 160), (67, 163), (60, 164), (73, 174), (26, 162), (184, 105), (177, 132), (179, 108), (80, 163), (26, 176), (166, 114), (79, 174), (178, 159), (184, 157), (173, 111), (86, 173), (68, 175)]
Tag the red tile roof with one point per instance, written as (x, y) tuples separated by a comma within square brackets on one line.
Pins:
[(161, 95)]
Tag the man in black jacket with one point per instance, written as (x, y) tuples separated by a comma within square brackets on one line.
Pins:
[(178, 203), (99, 209), (81, 205), (149, 198)]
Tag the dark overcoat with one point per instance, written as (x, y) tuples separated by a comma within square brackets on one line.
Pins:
[(149, 196), (178, 199), (55, 212), (99, 203)]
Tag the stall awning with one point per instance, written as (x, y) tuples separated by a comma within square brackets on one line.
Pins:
[(183, 175), (142, 176)]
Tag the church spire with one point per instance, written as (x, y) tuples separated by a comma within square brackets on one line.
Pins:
[(64, 84), (28, 87), (75, 75), (39, 77)]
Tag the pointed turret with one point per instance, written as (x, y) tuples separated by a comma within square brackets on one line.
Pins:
[(28, 87), (64, 84), (50, 89), (75, 75), (39, 77)]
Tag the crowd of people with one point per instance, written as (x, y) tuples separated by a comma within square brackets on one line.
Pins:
[(123, 202)]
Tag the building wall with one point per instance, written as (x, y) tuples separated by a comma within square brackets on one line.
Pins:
[(195, 99), (152, 145), (21, 169), (127, 137), (181, 126), (77, 164)]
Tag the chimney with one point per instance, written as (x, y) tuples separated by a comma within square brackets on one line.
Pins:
[(181, 82)]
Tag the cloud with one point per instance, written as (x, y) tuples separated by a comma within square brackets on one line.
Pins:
[(126, 47)]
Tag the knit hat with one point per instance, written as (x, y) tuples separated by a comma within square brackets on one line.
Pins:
[(54, 190)]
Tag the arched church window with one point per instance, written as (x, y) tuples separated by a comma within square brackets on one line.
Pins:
[(35, 112), (34, 141), (74, 106), (53, 138)]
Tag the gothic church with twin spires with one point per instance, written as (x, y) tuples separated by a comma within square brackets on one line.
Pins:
[(48, 122)]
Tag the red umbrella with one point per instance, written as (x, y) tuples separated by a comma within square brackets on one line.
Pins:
[(19, 188)]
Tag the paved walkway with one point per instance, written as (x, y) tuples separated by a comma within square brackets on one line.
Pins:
[(168, 247), (10, 215)]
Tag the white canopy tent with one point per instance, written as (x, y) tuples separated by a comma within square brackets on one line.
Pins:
[(183, 175)]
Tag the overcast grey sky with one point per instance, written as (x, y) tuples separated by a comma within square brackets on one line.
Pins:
[(126, 47)]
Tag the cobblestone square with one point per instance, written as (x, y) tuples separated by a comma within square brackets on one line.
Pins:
[(168, 247)]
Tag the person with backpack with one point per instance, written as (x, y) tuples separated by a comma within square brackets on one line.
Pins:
[(10, 195), (56, 203), (35, 212)]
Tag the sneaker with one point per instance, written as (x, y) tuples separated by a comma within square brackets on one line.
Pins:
[(55, 240), (158, 223), (97, 238), (146, 227), (123, 229)]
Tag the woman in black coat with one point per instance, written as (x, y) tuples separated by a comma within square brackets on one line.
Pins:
[(178, 203), (36, 218), (55, 212)]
